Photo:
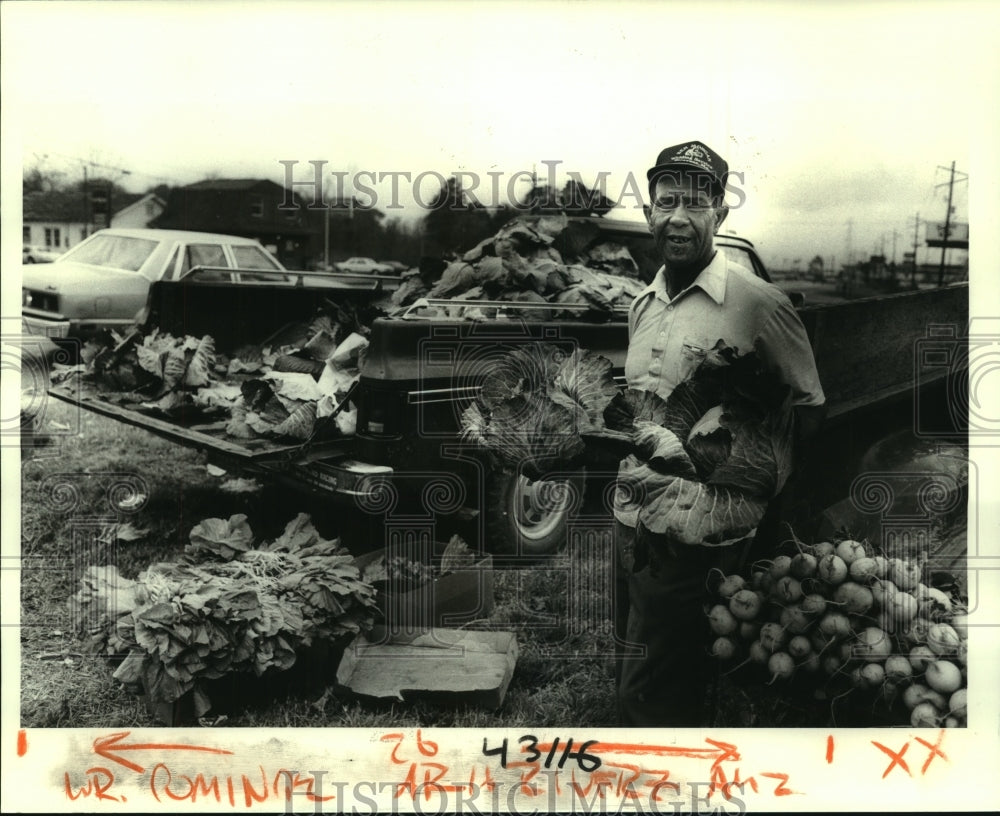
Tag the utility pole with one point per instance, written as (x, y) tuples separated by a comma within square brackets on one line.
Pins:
[(850, 255), (86, 198), (895, 235), (947, 226), (947, 217), (107, 190), (326, 229), (916, 229)]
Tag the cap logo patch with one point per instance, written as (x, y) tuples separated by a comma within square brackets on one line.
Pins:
[(696, 155)]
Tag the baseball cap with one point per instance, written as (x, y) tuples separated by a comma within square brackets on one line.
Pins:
[(690, 157)]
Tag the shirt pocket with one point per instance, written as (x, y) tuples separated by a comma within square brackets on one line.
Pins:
[(693, 351)]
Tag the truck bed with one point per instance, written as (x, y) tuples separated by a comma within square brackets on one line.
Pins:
[(208, 436), (866, 352)]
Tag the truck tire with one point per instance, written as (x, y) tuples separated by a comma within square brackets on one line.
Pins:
[(528, 518)]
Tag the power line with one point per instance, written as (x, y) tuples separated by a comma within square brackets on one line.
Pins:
[(90, 163), (87, 162)]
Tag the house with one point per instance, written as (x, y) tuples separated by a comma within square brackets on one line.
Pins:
[(136, 210), (59, 219), (253, 208)]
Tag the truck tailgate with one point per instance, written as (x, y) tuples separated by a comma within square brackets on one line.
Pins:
[(208, 436)]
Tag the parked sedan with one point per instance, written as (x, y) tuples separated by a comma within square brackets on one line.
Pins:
[(363, 266), (103, 282), (34, 254)]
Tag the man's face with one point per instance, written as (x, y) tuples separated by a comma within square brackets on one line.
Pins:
[(683, 218)]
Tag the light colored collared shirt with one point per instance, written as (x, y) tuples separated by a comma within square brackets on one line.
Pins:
[(668, 339)]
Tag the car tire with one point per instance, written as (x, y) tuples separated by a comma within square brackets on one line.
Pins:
[(526, 518)]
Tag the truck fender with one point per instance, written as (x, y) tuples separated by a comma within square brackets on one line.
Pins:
[(893, 477)]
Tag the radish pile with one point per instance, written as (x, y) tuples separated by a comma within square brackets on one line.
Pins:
[(849, 621)]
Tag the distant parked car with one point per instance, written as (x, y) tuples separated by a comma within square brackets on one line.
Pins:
[(364, 266), (35, 254), (103, 282)]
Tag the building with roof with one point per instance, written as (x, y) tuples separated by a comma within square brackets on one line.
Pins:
[(254, 208), (58, 220)]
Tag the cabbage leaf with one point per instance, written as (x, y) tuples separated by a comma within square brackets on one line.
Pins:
[(704, 462)]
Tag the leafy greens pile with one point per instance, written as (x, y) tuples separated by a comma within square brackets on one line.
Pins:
[(295, 384), (228, 606), (532, 409), (399, 573), (702, 464), (533, 259)]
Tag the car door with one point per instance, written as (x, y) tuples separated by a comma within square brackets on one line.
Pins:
[(208, 255)]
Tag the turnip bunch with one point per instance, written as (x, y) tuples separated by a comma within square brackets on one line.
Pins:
[(848, 620)]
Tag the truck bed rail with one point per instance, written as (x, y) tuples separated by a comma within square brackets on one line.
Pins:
[(200, 274), (503, 305)]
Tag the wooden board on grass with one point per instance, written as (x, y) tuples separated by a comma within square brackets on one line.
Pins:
[(440, 665)]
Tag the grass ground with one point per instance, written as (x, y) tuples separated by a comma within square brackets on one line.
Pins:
[(68, 495), (101, 471)]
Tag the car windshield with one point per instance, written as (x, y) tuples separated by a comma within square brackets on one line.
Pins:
[(116, 251)]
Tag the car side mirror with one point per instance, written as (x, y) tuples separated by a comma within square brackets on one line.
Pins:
[(797, 298)]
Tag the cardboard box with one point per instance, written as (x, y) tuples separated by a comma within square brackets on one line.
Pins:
[(455, 667), (449, 600)]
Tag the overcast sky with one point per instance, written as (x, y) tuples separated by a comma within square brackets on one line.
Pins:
[(834, 112)]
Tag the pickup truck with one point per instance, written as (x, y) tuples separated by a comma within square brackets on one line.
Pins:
[(407, 466)]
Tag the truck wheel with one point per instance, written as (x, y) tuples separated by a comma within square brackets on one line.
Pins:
[(525, 517)]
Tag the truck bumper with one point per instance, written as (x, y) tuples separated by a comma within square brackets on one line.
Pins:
[(347, 479)]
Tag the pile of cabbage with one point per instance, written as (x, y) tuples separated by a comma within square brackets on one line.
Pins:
[(702, 464), (290, 386), (534, 259)]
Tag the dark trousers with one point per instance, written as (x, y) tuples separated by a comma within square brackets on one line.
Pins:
[(665, 676)]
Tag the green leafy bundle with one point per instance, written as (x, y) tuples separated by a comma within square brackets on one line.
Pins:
[(162, 366), (228, 607), (293, 386), (702, 464), (545, 259), (718, 450), (399, 573), (536, 403)]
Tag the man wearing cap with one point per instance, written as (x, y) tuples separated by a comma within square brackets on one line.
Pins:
[(698, 297)]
